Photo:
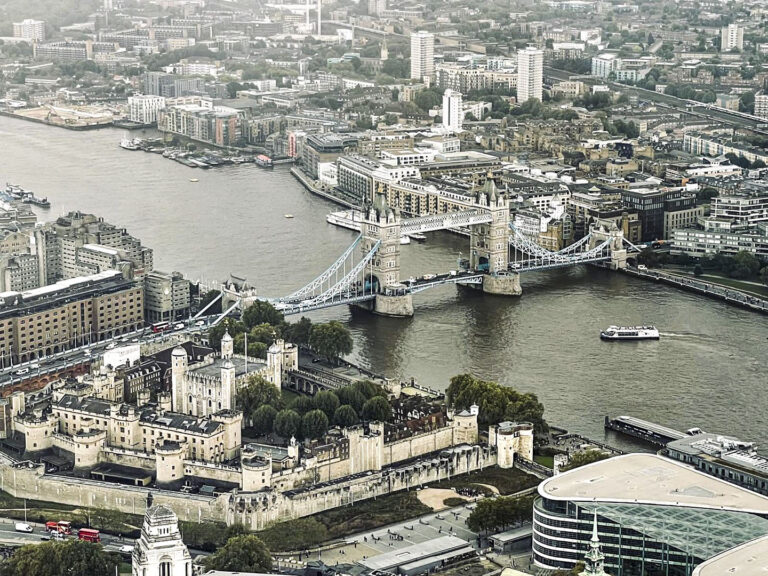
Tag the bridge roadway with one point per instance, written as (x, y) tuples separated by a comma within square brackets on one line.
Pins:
[(87, 352), (445, 221)]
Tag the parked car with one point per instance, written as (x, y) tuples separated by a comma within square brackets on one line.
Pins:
[(21, 371), (126, 549)]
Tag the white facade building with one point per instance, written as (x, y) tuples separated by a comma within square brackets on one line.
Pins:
[(761, 106), (30, 30), (422, 55), (143, 109), (453, 115), (731, 36), (159, 551), (530, 69)]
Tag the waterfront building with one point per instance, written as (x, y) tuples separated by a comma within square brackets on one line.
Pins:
[(652, 206), (725, 457), (360, 176), (166, 297), (453, 114), (718, 236), (321, 148), (653, 515), (69, 313), (731, 38), (30, 29), (144, 108), (160, 551), (530, 70), (422, 55), (202, 121)]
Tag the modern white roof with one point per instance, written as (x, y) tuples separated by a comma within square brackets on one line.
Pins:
[(748, 559), (650, 479), (101, 248)]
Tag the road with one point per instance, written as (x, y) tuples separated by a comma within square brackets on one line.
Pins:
[(10, 537), (703, 111), (85, 353)]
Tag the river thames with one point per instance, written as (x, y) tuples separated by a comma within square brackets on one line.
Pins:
[(707, 370)]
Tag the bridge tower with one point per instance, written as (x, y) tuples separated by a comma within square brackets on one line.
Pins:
[(381, 223), (489, 243), (603, 231)]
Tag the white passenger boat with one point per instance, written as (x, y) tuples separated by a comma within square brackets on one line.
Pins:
[(630, 333), (349, 219)]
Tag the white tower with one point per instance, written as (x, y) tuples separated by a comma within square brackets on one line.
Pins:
[(159, 550), (178, 379), (227, 346), (228, 387), (319, 17), (530, 69), (453, 117), (422, 55)]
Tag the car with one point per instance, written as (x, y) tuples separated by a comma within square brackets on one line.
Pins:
[(22, 527), (200, 323), (179, 326), (22, 371), (34, 366), (428, 276), (642, 268), (126, 549), (87, 352), (111, 345)]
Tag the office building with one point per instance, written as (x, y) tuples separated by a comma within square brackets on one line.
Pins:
[(166, 297), (422, 55), (530, 70), (731, 38), (453, 115), (654, 516), (322, 148), (143, 109), (33, 30), (719, 236), (652, 206), (66, 314)]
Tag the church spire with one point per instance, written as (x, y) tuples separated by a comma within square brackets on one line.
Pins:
[(594, 558)]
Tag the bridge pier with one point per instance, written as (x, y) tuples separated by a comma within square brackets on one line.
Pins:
[(503, 284), (393, 306)]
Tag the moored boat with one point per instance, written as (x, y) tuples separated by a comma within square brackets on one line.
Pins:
[(349, 219)]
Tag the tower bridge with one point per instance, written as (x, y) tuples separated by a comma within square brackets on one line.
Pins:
[(367, 273)]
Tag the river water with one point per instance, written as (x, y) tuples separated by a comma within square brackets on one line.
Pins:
[(708, 370)]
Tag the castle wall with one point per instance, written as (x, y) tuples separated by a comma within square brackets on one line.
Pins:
[(418, 445)]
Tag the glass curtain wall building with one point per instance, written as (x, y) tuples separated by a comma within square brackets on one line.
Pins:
[(655, 516)]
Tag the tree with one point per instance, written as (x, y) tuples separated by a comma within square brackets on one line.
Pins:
[(330, 340), (287, 423), (648, 257), (497, 513), (298, 332), (745, 265), (246, 553), (263, 419), (368, 389), (583, 458), (764, 275), (314, 424), (349, 396), (262, 313), (302, 405), (378, 409), (345, 416), (327, 401), (60, 559), (256, 393), (697, 270)]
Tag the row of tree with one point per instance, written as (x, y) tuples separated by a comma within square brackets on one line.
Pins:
[(496, 403), (310, 417), (494, 514), (264, 324)]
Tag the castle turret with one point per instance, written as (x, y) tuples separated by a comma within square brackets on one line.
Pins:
[(169, 462), (178, 378), (227, 345), (228, 386)]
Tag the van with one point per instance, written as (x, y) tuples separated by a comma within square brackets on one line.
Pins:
[(22, 527), (642, 268), (22, 371)]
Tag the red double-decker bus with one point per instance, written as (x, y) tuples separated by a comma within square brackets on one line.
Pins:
[(161, 327), (88, 535), (62, 527)]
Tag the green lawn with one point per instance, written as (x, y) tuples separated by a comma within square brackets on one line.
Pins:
[(506, 481), (712, 277), (339, 522), (548, 461)]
